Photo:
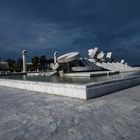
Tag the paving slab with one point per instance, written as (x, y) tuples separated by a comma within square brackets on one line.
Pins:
[(29, 115)]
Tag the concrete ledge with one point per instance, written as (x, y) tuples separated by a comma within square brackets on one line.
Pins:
[(91, 74), (104, 88), (15, 73), (86, 91), (70, 90)]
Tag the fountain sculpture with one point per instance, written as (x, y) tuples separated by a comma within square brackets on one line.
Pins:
[(97, 61), (24, 52)]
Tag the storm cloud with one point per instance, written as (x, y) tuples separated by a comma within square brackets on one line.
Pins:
[(45, 26)]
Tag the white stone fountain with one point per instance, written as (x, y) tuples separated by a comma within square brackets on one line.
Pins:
[(24, 52)]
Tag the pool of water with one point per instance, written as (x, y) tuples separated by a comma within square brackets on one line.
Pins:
[(76, 80)]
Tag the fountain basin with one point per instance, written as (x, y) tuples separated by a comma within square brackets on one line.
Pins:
[(81, 91)]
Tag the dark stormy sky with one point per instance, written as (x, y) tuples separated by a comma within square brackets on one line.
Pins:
[(45, 26)]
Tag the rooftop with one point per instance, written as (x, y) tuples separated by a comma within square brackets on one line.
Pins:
[(28, 115)]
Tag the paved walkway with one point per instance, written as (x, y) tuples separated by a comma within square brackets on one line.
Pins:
[(27, 115)]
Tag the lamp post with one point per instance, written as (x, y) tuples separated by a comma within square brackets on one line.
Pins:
[(24, 52)]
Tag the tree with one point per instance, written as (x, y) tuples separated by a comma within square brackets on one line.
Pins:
[(19, 65), (49, 61), (43, 62), (35, 62), (11, 63)]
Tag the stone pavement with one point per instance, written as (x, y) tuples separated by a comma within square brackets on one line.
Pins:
[(27, 115)]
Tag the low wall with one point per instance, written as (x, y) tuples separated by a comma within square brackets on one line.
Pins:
[(86, 91), (100, 89), (70, 90)]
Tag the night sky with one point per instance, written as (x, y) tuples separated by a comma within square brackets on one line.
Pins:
[(45, 26)]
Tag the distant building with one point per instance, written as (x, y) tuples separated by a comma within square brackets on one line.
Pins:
[(4, 65)]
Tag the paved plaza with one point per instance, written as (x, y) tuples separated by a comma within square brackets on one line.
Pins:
[(27, 115)]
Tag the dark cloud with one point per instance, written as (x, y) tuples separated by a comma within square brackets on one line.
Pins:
[(43, 26)]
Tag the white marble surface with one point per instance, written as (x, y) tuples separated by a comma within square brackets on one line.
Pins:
[(115, 66)]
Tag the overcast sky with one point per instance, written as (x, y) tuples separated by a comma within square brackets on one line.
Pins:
[(45, 26)]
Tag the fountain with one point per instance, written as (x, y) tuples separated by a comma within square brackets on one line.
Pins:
[(24, 52), (98, 73), (71, 64)]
